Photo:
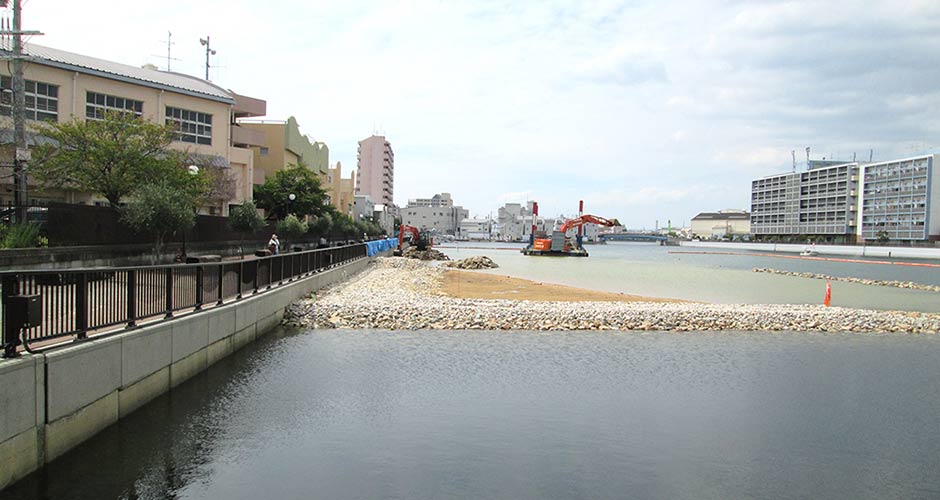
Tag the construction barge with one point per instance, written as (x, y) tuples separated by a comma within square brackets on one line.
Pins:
[(560, 245)]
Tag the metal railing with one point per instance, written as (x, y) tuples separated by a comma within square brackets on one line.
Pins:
[(41, 306)]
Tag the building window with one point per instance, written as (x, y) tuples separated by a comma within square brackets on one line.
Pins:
[(98, 105), (42, 99), (191, 126), (264, 152)]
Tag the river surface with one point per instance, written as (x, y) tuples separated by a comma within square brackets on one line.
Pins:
[(419, 415), (678, 272)]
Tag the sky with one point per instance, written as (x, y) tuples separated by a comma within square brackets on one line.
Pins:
[(649, 111)]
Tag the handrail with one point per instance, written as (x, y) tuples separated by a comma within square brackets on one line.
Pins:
[(47, 304)]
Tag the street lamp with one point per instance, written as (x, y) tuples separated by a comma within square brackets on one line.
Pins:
[(193, 170)]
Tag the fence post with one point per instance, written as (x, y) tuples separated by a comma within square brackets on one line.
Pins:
[(218, 297), (81, 305), (131, 298), (239, 273), (200, 286), (257, 272), (10, 332), (169, 292), (271, 271)]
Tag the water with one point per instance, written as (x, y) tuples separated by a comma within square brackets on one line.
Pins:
[(414, 415), (657, 271)]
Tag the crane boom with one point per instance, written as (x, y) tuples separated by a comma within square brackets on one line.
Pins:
[(586, 219)]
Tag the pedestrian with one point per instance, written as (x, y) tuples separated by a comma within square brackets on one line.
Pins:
[(274, 245)]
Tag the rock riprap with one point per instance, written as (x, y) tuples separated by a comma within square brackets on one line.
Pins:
[(430, 254), (404, 294), (478, 262), (848, 279)]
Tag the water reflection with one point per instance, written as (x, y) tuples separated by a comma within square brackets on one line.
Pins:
[(376, 414)]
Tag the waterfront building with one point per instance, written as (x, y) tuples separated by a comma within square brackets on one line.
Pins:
[(901, 200), (443, 216), (63, 86), (729, 222), (285, 145), (821, 203), (376, 169), (475, 229), (341, 191)]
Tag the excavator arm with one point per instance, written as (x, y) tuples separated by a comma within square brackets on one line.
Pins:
[(586, 219)]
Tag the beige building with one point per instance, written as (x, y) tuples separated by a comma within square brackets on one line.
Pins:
[(63, 86), (341, 191), (284, 145), (721, 223), (375, 176)]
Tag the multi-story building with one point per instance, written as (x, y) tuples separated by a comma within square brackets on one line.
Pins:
[(901, 200), (62, 86), (821, 202), (445, 218), (376, 169), (721, 223), (438, 200), (285, 145), (341, 191), (363, 207), (475, 229)]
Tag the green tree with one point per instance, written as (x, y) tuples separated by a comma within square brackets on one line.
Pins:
[(245, 219), (109, 157), (162, 209), (882, 236), (322, 224), (291, 228), (298, 180)]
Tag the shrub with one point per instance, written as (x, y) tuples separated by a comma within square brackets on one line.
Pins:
[(22, 236)]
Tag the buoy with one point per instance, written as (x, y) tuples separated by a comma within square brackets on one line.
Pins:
[(827, 301)]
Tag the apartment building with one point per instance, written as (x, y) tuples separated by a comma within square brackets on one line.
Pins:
[(375, 174), (63, 86), (821, 202), (901, 200), (340, 190), (285, 145), (851, 202)]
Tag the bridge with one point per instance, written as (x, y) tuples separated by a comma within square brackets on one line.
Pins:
[(650, 238)]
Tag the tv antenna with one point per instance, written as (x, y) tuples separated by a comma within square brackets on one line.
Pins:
[(793, 154), (169, 44)]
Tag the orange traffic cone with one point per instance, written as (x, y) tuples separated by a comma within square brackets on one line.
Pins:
[(828, 300)]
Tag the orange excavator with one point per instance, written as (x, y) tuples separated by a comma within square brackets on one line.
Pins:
[(418, 239), (560, 244)]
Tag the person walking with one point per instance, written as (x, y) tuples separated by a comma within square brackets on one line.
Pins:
[(274, 245)]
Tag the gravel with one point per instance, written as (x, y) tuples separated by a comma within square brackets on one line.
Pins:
[(405, 294)]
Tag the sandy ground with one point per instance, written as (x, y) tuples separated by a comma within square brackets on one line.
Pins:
[(475, 285)]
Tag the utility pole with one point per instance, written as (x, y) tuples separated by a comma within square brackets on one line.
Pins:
[(208, 52), (21, 156)]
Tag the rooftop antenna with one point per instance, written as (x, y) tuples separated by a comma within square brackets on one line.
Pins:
[(807, 156), (169, 43), (871, 153), (793, 154), (853, 156)]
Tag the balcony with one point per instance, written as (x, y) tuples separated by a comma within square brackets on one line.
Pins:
[(247, 136)]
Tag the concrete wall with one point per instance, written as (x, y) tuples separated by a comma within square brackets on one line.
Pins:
[(822, 250), (51, 402)]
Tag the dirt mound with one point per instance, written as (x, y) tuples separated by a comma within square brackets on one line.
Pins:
[(414, 253)]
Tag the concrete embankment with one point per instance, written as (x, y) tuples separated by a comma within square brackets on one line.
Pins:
[(405, 294), (50, 402)]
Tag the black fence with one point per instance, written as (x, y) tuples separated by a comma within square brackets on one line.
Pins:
[(41, 306)]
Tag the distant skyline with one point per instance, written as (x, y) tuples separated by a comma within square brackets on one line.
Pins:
[(645, 110)]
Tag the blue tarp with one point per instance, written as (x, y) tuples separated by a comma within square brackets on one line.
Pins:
[(378, 246)]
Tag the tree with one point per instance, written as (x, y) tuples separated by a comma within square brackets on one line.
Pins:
[(882, 236), (110, 157), (245, 219), (160, 208), (291, 227), (298, 180), (322, 224)]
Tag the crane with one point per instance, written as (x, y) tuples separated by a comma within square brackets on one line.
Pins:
[(560, 244)]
